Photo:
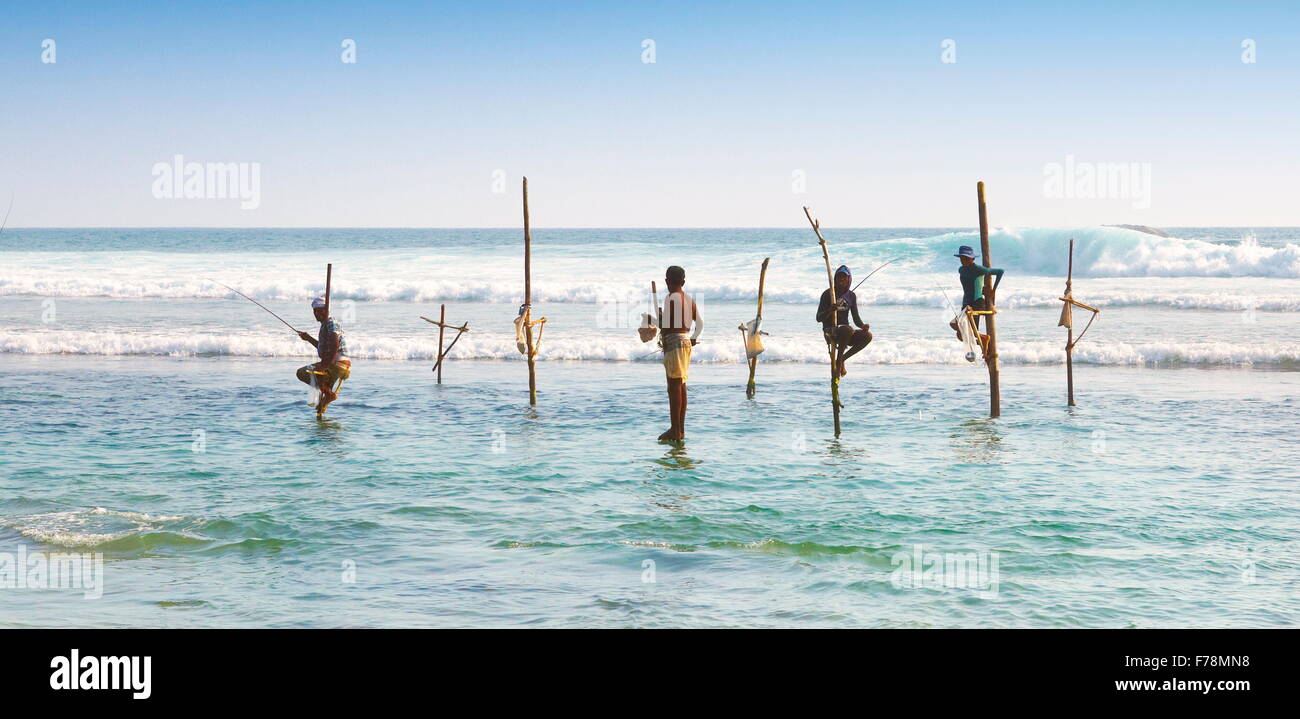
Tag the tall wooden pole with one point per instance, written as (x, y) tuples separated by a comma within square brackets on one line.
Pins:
[(750, 388), (442, 319), (990, 320), (329, 275), (528, 302), (1069, 340), (833, 346)]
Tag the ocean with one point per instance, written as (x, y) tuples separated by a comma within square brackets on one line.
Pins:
[(150, 416)]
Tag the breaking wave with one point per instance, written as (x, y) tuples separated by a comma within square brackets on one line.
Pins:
[(720, 271), (502, 347)]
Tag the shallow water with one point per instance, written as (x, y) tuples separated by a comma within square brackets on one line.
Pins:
[(152, 416), (460, 505)]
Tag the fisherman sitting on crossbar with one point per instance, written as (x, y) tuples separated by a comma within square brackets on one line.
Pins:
[(975, 295), (334, 365), (848, 340)]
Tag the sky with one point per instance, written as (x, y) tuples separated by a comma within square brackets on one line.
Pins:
[(875, 114)]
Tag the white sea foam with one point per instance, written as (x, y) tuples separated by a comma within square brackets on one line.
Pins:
[(502, 347), (83, 527), (900, 291), (717, 271), (1118, 252)]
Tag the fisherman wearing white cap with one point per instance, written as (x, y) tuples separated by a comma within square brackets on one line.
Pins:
[(332, 351)]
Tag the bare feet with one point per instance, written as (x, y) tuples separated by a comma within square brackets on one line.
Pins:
[(666, 435), (326, 396), (843, 371), (672, 436)]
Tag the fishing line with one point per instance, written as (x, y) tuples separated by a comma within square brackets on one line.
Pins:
[(946, 298), (259, 304), (6, 220), (864, 279)]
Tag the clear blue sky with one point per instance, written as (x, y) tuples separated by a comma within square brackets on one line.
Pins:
[(741, 95)]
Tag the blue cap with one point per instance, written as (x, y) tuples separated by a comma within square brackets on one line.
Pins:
[(965, 251), (843, 270)]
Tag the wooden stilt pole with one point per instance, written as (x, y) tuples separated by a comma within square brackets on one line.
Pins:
[(1067, 319), (442, 319), (442, 326), (990, 320), (329, 275), (460, 331), (528, 302), (750, 388), (832, 346), (1069, 340), (659, 318)]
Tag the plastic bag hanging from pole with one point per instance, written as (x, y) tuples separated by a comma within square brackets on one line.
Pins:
[(649, 328), (753, 337), (647, 331), (1067, 316), (521, 322)]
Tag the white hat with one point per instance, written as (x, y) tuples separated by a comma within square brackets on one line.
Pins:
[(318, 302)]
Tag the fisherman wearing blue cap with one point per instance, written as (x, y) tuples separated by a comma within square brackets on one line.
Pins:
[(973, 287), (834, 318)]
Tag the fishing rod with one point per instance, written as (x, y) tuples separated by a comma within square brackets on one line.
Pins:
[(259, 304), (947, 299), (6, 220), (864, 279)]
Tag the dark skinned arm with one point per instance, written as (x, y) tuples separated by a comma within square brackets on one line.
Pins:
[(857, 319), (825, 308)]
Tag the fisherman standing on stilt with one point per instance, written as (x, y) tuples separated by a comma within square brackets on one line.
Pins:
[(974, 293), (334, 365), (850, 341), (679, 312)]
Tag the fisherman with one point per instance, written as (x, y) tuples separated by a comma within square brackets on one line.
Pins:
[(846, 302), (332, 351), (675, 319), (975, 295)]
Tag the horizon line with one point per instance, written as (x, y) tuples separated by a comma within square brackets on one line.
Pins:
[(608, 227)]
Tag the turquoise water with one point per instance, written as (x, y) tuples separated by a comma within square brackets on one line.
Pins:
[(460, 505), (151, 416)]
